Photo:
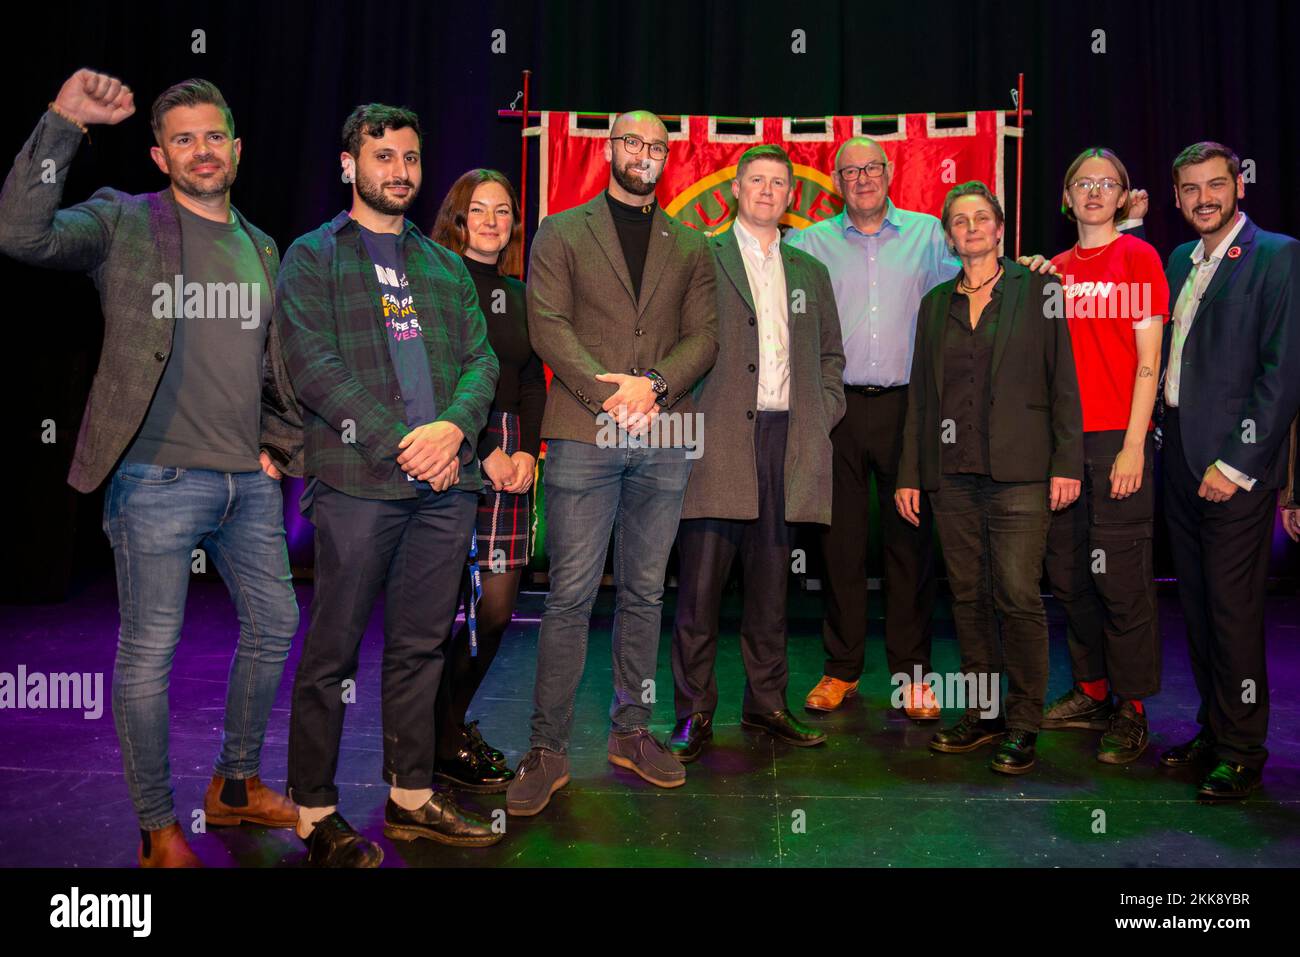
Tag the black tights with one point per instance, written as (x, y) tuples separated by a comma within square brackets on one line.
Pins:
[(461, 673)]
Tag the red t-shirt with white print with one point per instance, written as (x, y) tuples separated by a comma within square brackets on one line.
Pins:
[(1107, 291)]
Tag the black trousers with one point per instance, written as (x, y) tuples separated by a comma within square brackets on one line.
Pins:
[(413, 551), (1099, 564), (993, 536), (1221, 553), (870, 439), (706, 548)]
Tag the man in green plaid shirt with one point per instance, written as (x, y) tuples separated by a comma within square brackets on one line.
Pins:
[(388, 352)]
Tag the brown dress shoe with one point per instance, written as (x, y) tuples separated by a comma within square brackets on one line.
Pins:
[(248, 801), (829, 694), (919, 702), (166, 847)]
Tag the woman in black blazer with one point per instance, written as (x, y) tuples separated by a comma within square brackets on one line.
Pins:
[(994, 435)]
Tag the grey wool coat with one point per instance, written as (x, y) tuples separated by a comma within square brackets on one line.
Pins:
[(583, 319), (724, 480), (126, 244)]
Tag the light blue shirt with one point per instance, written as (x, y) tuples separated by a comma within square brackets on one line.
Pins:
[(879, 279)]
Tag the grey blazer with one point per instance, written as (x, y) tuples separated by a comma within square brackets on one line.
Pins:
[(126, 244), (583, 319), (724, 480)]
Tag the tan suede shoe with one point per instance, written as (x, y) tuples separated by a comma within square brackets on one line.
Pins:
[(249, 801), (829, 694)]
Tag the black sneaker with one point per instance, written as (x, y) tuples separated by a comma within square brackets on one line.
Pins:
[(1074, 709), (1126, 738)]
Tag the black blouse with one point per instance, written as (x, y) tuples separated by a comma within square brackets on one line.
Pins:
[(968, 384), (521, 385)]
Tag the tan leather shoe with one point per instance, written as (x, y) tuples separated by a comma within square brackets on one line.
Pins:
[(829, 694), (919, 702), (166, 847), (248, 801)]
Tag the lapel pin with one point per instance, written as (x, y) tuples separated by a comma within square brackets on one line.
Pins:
[(1234, 252), (268, 250)]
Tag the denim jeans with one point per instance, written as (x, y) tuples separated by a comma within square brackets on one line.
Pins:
[(154, 517), (994, 535), (637, 493)]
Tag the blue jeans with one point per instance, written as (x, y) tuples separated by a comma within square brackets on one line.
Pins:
[(154, 517), (637, 493)]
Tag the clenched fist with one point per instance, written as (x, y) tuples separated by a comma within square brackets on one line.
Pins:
[(90, 97)]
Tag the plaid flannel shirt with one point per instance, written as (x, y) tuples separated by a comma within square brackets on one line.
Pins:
[(335, 346)]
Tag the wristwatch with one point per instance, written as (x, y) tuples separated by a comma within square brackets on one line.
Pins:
[(658, 384)]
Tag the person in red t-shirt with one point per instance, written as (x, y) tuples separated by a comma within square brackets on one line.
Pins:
[(1099, 550)]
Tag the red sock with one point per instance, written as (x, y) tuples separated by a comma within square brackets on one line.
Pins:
[(1137, 706), (1098, 690)]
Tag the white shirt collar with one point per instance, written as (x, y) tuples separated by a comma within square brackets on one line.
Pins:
[(746, 238), (1198, 253)]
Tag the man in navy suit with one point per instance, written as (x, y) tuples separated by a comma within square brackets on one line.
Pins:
[(1230, 388)]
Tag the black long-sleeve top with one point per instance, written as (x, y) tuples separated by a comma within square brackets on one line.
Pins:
[(521, 384)]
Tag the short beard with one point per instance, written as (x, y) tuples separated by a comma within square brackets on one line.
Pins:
[(632, 183), (1226, 215), (372, 194), (205, 190)]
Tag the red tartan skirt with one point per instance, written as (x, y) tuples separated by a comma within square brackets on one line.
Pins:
[(505, 520)]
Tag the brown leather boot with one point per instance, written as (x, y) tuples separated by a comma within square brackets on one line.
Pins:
[(166, 847), (248, 801)]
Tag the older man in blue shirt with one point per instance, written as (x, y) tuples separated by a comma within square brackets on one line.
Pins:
[(882, 260)]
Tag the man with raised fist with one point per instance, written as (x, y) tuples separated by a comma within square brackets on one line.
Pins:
[(192, 423)]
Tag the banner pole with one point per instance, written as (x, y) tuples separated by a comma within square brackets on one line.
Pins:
[(1020, 150), (523, 176)]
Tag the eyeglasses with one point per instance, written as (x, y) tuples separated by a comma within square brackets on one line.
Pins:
[(1107, 185), (633, 145), (875, 169)]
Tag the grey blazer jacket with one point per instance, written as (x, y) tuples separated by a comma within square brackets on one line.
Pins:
[(126, 244), (724, 480)]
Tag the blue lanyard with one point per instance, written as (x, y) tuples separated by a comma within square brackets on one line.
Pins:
[(475, 594)]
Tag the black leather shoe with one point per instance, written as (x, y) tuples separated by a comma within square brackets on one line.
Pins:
[(472, 771), (785, 727), (1126, 738), (689, 736), (969, 733), (1074, 709), (439, 819), (1016, 755), (1229, 782), (334, 843), (1195, 751), (476, 743)]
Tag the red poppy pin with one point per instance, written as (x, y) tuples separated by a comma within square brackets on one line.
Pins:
[(1234, 252)]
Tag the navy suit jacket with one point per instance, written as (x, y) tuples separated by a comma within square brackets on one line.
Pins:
[(1239, 385)]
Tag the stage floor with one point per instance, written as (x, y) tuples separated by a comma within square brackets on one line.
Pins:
[(874, 795)]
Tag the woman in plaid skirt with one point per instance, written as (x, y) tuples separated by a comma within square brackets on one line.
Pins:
[(480, 219)]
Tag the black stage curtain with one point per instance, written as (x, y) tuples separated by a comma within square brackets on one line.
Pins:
[(1171, 73)]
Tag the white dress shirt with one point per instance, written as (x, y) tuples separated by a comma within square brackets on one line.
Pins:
[(1189, 298), (766, 274)]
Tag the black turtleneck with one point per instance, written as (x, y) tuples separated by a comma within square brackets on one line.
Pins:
[(521, 384), (633, 225)]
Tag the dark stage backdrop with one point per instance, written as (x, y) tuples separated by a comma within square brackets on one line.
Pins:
[(1170, 73)]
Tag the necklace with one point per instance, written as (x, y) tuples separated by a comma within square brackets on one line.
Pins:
[(965, 286), (1080, 257)]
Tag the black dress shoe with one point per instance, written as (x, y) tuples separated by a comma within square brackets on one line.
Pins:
[(472, 771), (1074, 709), (969, 733), (785, 727), (334, 843), (1200, 748), (439, 819), (1015, 755), (476, 743), (689, 736), (1229, 782)]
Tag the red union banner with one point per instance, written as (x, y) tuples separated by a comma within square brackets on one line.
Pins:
[(696, 184)]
